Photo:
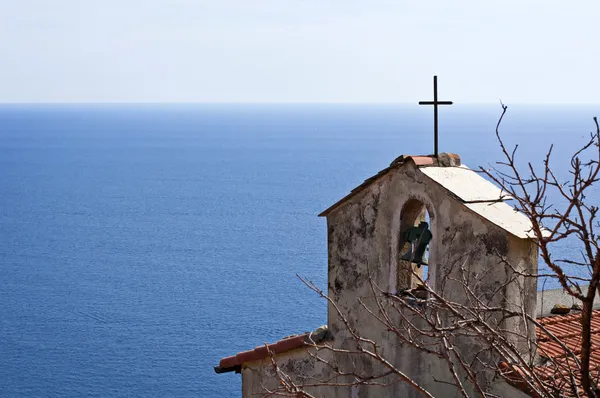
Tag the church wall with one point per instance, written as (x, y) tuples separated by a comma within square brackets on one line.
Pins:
[(259, 377), (364, 236), (363, 240), (523, 255)]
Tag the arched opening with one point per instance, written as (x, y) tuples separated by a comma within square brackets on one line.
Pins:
[(413, 244)]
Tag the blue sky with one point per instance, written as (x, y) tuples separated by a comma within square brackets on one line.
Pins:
[(519, 51)]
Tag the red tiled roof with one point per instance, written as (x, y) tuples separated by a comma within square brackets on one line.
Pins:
[(421, 160), (290, 343), (567, 329), (260, 352)]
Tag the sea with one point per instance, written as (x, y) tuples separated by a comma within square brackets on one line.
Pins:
[(141, 243)]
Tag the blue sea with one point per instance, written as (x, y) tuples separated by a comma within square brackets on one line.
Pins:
[(139, 244)]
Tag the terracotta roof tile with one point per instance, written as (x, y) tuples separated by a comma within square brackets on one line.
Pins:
[(567, 329), (233, 363), (261, 352), (422, 160)]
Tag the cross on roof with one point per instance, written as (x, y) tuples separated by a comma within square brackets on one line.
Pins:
[(435, 104)]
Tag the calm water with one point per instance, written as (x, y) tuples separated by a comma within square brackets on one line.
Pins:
[(140, 244)]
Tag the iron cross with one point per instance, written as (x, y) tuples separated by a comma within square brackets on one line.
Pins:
[(435, 104)]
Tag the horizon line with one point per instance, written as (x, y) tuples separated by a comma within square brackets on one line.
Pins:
[(402, 103)]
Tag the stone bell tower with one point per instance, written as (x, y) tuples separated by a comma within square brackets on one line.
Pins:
[(472, 229)]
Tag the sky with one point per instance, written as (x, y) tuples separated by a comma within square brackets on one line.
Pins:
[(376, 51)]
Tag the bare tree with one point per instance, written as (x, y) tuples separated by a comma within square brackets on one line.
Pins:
[(428, 321), (577, 222)]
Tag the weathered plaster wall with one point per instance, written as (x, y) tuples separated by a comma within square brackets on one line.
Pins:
[(364, 238), (259, 377)]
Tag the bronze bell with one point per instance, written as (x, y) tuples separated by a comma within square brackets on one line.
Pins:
[(419, 237)]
